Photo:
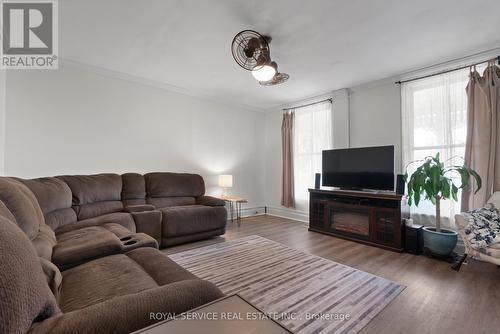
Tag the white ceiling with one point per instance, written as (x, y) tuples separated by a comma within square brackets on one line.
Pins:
[(323, 44)]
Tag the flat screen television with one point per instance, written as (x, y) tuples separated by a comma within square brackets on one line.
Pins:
[(359, 168)]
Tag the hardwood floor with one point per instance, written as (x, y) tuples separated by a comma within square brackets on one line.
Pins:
[(436, 300)]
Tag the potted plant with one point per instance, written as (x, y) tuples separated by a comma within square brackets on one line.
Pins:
[(435, 182)]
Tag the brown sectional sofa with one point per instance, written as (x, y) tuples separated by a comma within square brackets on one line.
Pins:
[(170, 207), (79, 253), (92, 215)]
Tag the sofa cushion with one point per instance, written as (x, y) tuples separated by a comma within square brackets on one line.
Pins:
[(85, 244), (54, 197), (94, 195), (108, 317), (161, 268), (97, 209), (58, 218), (52, 194), (5, 212), (149, 222), (133, 189), (165, 202), (190, 219), (495, 199), (139, 208), (118, 275), (210, 201), (25, 297), (182, 239), (23, 205), (122, 218), (53, 277), (174, 185), (44, 242)]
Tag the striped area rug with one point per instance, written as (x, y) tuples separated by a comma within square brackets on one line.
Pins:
[(306, 293)]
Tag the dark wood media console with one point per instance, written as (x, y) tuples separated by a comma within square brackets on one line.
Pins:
[(374, 218)]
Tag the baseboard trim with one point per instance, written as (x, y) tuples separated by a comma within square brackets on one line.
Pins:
[(283, 212), (248, 212)]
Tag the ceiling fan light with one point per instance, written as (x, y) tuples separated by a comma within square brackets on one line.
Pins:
[(264, 73)]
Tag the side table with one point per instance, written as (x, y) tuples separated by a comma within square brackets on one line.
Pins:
[(235, 203)]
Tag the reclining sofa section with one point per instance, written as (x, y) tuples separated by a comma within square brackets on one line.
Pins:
[(112, 288), (169, 207)]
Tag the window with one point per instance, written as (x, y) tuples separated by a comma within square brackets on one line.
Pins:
[(312, 134), (434, 115)]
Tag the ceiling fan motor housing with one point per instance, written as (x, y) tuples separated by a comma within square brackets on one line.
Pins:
[(251, 51)]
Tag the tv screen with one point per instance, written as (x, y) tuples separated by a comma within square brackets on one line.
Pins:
[(359, 168)]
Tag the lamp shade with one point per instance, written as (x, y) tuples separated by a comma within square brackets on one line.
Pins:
[(225, 181)]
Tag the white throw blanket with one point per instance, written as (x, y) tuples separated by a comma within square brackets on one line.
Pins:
[(483, 229)]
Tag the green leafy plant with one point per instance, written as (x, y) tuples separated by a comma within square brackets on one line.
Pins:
[(435, 182)]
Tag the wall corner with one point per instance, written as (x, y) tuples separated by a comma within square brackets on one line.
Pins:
[(3, 116)]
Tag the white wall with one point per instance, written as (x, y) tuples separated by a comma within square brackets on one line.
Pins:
[(2, 119), (375, 116), (366, 115), (73, 121)]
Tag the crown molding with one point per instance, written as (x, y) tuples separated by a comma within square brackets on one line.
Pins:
[(450, 64), (65, 62)]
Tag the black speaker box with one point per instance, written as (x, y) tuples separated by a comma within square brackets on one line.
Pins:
[(414, 240), (400, 185), (317, 181)]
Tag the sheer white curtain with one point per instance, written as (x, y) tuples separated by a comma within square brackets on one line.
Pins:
[(312, 134), (434, 117)]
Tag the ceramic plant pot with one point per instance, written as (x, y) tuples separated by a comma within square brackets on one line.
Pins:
[(440, 243)]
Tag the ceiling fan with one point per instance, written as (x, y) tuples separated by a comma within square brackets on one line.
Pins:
[(251, 51)]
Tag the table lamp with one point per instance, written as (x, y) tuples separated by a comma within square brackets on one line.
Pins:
[(225, 181)]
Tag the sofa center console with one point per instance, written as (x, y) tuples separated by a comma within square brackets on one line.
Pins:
[(137, 240), (85, 244), (374, 218)]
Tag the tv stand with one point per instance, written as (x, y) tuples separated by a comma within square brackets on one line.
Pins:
[(370, 217)]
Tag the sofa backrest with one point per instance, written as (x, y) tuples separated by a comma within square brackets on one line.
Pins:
[(25, 295), (133, 189), (169, 189), (495, 199), (55, 199), (61, 200), (94, 195), (5, 212), (23, 205), (25, 211)]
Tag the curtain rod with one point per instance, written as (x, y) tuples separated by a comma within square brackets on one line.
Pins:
[(309, 104), (446, 71)]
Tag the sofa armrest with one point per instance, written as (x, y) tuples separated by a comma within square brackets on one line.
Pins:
[(495, 199), (148, 222), (139, 208), (210, 201), (461, 222), (132, 312)]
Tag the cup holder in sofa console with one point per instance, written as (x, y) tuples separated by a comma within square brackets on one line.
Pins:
[(130, 242), (125, 238)]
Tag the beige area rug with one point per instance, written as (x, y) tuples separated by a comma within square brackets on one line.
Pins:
[(305, 293)]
